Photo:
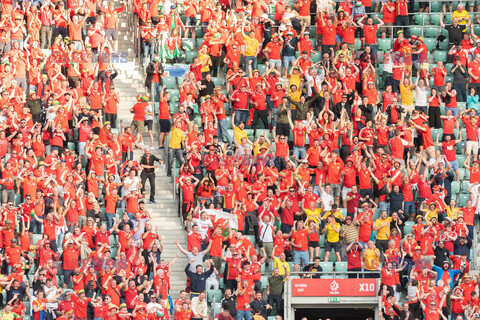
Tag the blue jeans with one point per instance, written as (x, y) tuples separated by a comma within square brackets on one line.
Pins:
[(409, 207), (110, 217), (245, 63), (241, 116), (454, 110), (275, 117), (299, 153), (157, 88), (148, 51), (222, 131), (243, 315)]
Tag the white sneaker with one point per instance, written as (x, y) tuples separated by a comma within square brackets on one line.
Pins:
[(152, 148)]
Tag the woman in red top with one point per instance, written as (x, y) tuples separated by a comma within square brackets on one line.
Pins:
[(313, 240)]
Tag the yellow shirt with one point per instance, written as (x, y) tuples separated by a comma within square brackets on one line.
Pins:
[(256, 150), (371, 260), (295, 79), (333, 236), (176, 138), (295, 97), (313, 215), (337, 214), (431, 214), (239, 134), (204, 59), (461, 15), (453, 213), (406, 95), (384, 232), (252, 46), (282, 266)]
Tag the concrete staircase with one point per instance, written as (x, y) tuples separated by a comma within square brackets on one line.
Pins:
[(165, 213)]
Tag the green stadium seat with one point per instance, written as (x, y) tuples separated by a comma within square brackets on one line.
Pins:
[(261, 68), (170, 82), (321, 254), (264, 281), (341, 266), (322, 240), (316, 57), (465, 185), (174, 95), (188, 44), (251, 238), (420, 19), (435, 6), (408, 227), (450, 79), (462, 199), (467, 174), (211, 294), (448, 18), (434, 19), (199, 41), (332, 257), (461, 160), (455, 187), (431, 44), (440, 55), (436, 133), (327, 267), (461, 147), (461, 173), (189, 55), (443, 45), (385, 44), (71, 145), (416, 31), (217, 307), (431, 32), (358, 44), (17, 199), (217, 81)]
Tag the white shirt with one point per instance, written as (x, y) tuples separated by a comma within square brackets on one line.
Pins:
[(50, 295), (327, 201), (266, 235), (133, 187), (148, 108), (421, 96), (203, 226), (318, 82)]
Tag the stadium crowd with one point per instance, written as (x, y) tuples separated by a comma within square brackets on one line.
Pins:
[(366, 164)]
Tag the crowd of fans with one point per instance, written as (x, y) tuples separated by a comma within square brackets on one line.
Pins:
[(359, 161)]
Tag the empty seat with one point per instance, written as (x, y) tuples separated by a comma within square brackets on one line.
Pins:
[(455, 187), (435, 6), (462, 199), (431, 44), (408, 227), (217, 80), (431, 32), (189, 55), (327, 267), (416, 31), (385, 44), (421, 19), (434, 19), (465, 185), (341, 266), (440, 55), (317, 56), (170, 82), (214, 294)]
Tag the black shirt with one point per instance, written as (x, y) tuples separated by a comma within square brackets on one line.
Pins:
[(230, 304), (149, 161), (208, 90), (459, 75), (262, 305), (455, 34), (441, 255)]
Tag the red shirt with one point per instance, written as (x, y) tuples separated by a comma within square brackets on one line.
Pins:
[(370, 34)]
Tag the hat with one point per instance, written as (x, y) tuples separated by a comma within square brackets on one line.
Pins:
[(63, 160), (217, 35), (88, 45), (156, 58), (350, 158), (263, 147), (418, 248), (123, 305), (399, 31), (306, 33), (46, 242), (106, 122), (348, 218), (436, 188), (365, 204), (467, 275), (55, 103), (112, 306), (279, 84), (447, 262), (211, 148), (289, 24), (413, 37), (41, 163), (420, 39), (419, 216), (354, 149), (405, 41), (474, 161), (144, 98), (358, 4), (207, 96), (217, 88), (81, 291), (289, 33), (69, 312)]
